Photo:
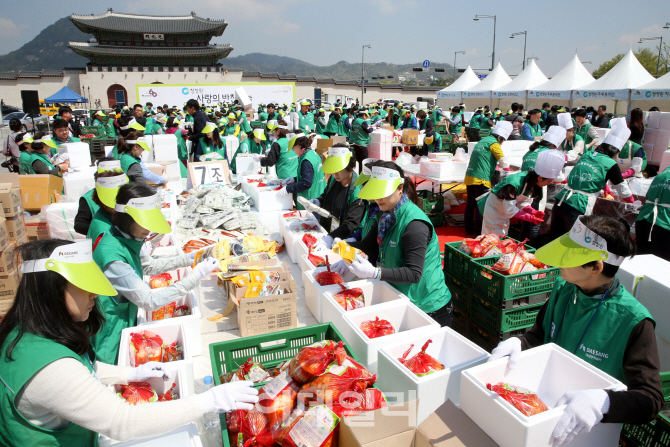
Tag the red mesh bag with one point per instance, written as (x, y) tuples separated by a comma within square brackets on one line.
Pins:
[(309, 240), (319, 424), (350, 299), (308, 227), (328, 278), (317, 261), (421, 364), (255, 429), (145, 346), (233, 424), (313, 360), (291, 214), (159, 281), (138, 393), (172, 352), (523, 400), (170, 394), (164, 312), (332, 388), (369, 400), (377, 328), (277, 398)]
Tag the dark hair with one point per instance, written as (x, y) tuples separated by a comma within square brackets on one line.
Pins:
[(126, 192), (303, 142), (654, 109), (281, 133), (554, 108), (579, 112), (37, 146), (545, 104), (352, 161), (616, 231), (421, 115), (533, 112), (59, 123), (15, 125), (39, 306), (537, 144), (636, 120), (603, 107), (63, 109), (123, 122), (122, 147), (19, 137), (608, 150), (508, 192), (193, 103), (137, 105), (170, 122), (515, 107), (408, 185), (216, 139)]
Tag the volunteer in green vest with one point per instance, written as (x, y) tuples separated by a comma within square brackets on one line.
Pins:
[(486, 154), (130, 151), (652, 229), (40, 161), (436, 116), (360, 138), (551, 140), (24, 141), (310, 181), (280, 156), (333, 126), (110, 130), (409, 252), (61, 135), (340, 198), (456, 121), (232, 128), (118, 254), (87, 209), (108, 180), (410, 121), (585, 129), (518, 194), (531, 129), (591, 315), (243, 122), (587, 179), (213, 147), (573, 146), (97, 118), (345, 123), (632, 159), (321, 122), (172, 128), (432, 142), (305, 118), (262, 114), (251, 145), (126, 125), (53, 392)]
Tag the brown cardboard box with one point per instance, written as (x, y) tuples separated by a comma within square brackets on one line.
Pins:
[(4, 235), (36, 228), (410, 136), (322, 144), (8, 285), (22, 240), (8, 259), (40, 190), (15, 227), (10, 194), (266, 314)]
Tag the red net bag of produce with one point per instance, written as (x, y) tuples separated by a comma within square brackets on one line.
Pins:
[(523, 400), (277, 398), (369, 400), (330, 388), (421, 364), (317, 261), (170, 394), (182, 311), (313, 360), (350, 299), (327, 278), (377, 328), (145, 346), (233, 424), (138, 393), (309, 240), (316, 427), (164, 312), (159, 281), (249, 370), (255, 430), (172, 352)]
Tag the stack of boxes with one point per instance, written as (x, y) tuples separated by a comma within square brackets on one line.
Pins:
[(656, 135), (10, 218)]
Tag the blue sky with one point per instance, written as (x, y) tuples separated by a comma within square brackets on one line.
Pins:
[(324, 32)]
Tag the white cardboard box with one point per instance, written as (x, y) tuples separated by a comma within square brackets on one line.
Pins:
[(165, 148), (243, 98), (80, 154), (649, 137), (654, 294), (407, 320), (450, 348), (653, 120), (381, 136), (443, 169), (76, 184), (550, 371), (380, 151), (232, 144), (184, 436), (664, 122), (313, 291), (632, 271), (169, 330)]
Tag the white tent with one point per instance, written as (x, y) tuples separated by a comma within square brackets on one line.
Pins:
[(496, 79), (466, 80), (571, 77), (617, 83), (530, 78), (654, 90)]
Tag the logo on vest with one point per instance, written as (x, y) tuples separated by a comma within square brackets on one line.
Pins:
[(593, 354), (553, 328), (392, 243), (585, 177)]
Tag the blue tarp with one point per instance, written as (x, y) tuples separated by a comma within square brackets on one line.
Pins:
[(65, 95)]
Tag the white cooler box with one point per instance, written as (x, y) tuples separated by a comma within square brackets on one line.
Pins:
[(80, 154), (232, 144), (548, 370), (245, 163), (301, 249), (169, 330), (450, 348), (185, 436), (407, 320), (313, 291), (294, 240), (306, 265), (268, 200), (165, 148), (380, 151), (654, 294), (631, 273), (443, 168), (283, 224), (76, 184)]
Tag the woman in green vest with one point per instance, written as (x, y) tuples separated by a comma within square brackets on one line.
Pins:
[(333, 126), (456, 121), (172, 128), (118, 255), (653, 222), (126, 124), (321, 122), (585, 130), (97, 118), (40, 157), (432, 142), (213, 147), (310, 181), (409, 253), (130, 151), (633, 157), (232, 128), (591, 315), (573, 145), (345, 123), (23, 141), (551, 140), (250, 145), (53, 391), (109, 179), (89, 204), (280, 156), (340, 198), (243, 122), (360, 137)]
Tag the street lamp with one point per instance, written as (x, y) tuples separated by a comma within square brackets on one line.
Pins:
[(667, 25), (455, 53), (525, 39), (493, 56), (363, 73), (660, 47)]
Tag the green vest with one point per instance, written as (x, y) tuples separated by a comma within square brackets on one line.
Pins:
[(287, 163), (262, 116), (482, 163), (247, 146), (44, 158), (629, 149), (245, 124), (343, 128), (567, 146), (457, 128), (318, 180), (434, 117), (341, 213), (535, 131), (230, 129), (584, 133), (518, 180), (305, 121), (182, 149), (474, 122), (88, 196), (149, 126), (358, 135), (25, 163), (101, 223), (604, 342), (530, 158), (110, 130), (59, 143), (96, 123), (484, 123), (369, 222), (127, 161), (119, 315), (189, 118), (659, 190), (588, 176), (320, 128), (209, 148), (30, 355), (436, 145), (333, 126), (431, 292)]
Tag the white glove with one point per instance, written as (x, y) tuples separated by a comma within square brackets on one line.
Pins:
[(341, 267), (282, 192), (205, 267), (229, 397), (324, 244), (585, 409), (191, 256), (147, 371), (336, 240), (349, 240), (511, 347), (256, 157), (287, 181), (315, 202), (362, 268)]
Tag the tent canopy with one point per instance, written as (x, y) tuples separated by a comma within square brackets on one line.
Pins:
[(615, 84), (65, 95), (496, 79), (573, 76), (530, 78), (466, 80), (656, 89)]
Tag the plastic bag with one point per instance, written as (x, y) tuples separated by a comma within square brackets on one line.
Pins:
[(169, 395), (145, 346), (331, 388), (278, 397), (317, 261), (525, 401), (309, 240), (233, 424), (377, 328), (249, 370), (172, 352), (255, 429), (404, 159), (328, 278), (461, 155), (421, 364), (138, 393), (313, 360), (164, 312), (350, 299), (159, 281), (316, 427), (369, 400)]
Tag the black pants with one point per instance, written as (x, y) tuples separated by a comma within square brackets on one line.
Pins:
[(361, 154), (563, 217), (660, 240), (444, 316), (473, 218), (330, 134)]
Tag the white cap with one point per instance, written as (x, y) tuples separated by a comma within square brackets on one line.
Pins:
[(550, 163), (565, 121), (503, 129), (617, 122), (555, 135), (617, 136)]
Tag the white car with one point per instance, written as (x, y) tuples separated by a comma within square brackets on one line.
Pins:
[(27, 120)]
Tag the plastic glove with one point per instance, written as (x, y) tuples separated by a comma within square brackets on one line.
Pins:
[(362, 268), (510, 347), (336, 241), (64, 166), (205, 267), (628, 173), (147, 371), (532, 211), (341, 267), (629, 199), (256, 157), (232, 396), (349, 240), (521, 215), (287, 181), (191, 256), (315, 202), (608, 190), (282, 192), (584, 410), (324, 244)]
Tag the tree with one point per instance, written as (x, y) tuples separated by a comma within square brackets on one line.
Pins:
[(647, 57)]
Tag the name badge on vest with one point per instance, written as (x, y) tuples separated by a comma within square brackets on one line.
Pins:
[(334, 224)]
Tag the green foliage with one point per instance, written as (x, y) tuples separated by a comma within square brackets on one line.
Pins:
[(648, 58)]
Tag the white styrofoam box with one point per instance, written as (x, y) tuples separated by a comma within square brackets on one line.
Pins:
[(175, 185), (374, 292), (305, 265), (665, 160), (300, 248), (657, 156), (243, 98), (407, 320), (550, 371), (653, 120), (268, 200), (148, 156), (381, 136), (232, 144), (168, 240), (246, 163), (664, 123), (440, 155), (308, 216), (602, 133), (442, 169), (80, 154), (169, 330), (663, 353), (649, 150), (471, 146), (314, 292), (246, 186), (165, 147), (292, 237), (380, 151), (649, 137), (76, 184), (662, 140), (184, 436), (654, 294), (632, 270), (450, 348)]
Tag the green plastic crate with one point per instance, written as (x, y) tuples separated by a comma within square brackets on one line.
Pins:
[(665, 382), (440, 128), (488, 341), (98, 131), (460, 323), (256, 124), (653, 434), (430, 202), (496, 320), (460, 292), (499, 288), (437, 219)]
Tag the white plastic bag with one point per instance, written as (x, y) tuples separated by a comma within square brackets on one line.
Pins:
[(461, 155), (404, 159), (60, 220), (640, 186)]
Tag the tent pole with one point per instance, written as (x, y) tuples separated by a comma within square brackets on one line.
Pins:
[(570, 99)]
